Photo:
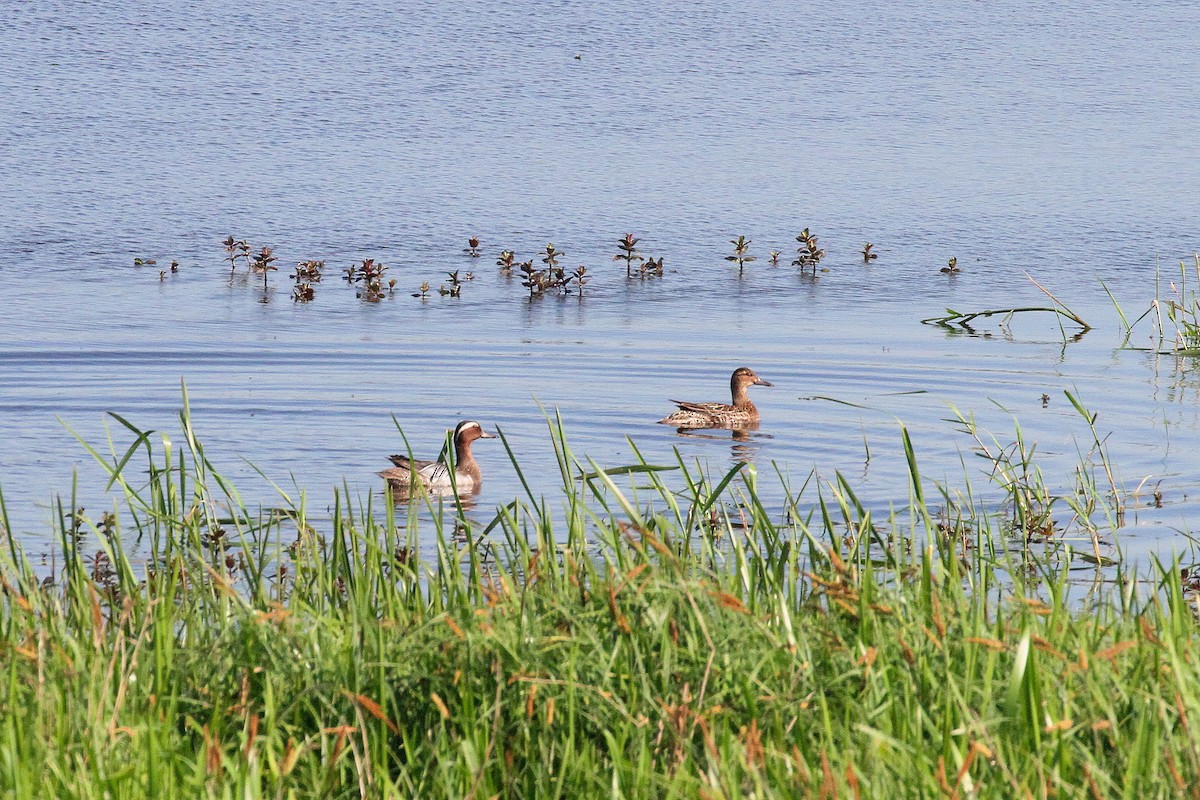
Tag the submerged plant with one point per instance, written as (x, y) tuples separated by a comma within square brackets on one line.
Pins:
[(472, 248), (652, 268), (740, 246), (369, 273), (775, 254), (264, 263), (455, 289), (235, 249), (951, 267), (506, 261), (808, 253), (422, 291), (867, 255), (550, 255), (629, 253)]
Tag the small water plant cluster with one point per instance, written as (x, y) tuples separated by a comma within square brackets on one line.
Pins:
[(472, 248), (629, 253), (307, 273), (808, 253), (236, 249), (151, 262), (552, 277), (368, 275), (868, 253), (951, 267)]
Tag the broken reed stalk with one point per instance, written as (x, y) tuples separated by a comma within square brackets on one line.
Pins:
[(961, 319)]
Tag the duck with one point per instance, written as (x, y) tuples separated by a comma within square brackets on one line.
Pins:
[(719, 415), (436, 475)]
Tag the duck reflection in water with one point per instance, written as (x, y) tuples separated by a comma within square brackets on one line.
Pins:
[(745, 440)]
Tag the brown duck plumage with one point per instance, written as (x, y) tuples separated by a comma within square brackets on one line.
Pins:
[(720, 415)]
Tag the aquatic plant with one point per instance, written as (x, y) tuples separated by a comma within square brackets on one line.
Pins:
[(422, 291), (951, 267), (264, 262), (740, 246), (775, 254), (808, 253), (310, 271), (455, 288), (629, 253), (652, 268), (472, 248), (867, 254), (1174, 313), (174, 265), (506, 261), (962, 320), (369, 273), (144, 262), (235, 249), (550, 255), (581, 279), (303, 292)]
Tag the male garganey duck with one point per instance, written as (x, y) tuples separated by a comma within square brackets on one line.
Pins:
[(435, 475), (719, 415)]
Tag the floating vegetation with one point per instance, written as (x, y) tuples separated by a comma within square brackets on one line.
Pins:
[(455, 288), (740, 246), (369, 274), (775, 254), (962, 319), (629, 253), (550, 255), (652, 268), (506, 261), (541, 281), (307, 273), (867, 254), (144, 262), (951, 267), (472, 248), (235, 249), (174, 265), (264, 262), (422, 291), (808, 253)]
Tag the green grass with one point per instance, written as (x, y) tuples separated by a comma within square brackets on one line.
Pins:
[(645, 633)]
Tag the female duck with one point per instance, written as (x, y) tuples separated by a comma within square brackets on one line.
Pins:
[(719, 415), (435, 475)]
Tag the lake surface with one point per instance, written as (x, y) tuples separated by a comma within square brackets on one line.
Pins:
[(1016, 138)]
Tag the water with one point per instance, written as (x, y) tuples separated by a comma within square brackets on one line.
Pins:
[(1015, 137)]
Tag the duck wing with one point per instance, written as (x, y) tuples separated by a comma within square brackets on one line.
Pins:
[(702, 408), (404, 462)]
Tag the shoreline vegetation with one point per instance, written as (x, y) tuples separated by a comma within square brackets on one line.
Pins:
[(649, 632)]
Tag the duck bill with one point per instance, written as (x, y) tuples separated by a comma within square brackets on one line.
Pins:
[(761, 382), (485, 435)]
